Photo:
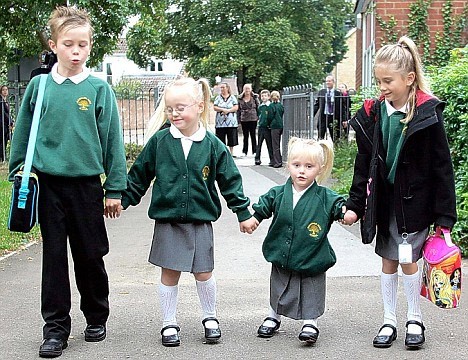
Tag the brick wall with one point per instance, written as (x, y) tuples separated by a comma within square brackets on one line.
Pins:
[(399, 9)]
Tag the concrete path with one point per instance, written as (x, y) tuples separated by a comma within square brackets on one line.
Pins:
[(353, 312)]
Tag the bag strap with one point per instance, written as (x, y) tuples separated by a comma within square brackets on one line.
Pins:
[(24, 191), (447, 236)]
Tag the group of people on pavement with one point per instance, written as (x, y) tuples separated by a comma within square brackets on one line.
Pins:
[(401, 143), (252, 111)]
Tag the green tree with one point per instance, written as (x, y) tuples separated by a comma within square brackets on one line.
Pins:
[(270, 43), (23, 25)]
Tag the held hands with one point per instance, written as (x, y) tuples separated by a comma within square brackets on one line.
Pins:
[(350, 217), (112, 208), (249, 226)]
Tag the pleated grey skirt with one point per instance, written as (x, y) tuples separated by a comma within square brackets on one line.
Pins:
[(296, 295), (386, 246), (183, 247)]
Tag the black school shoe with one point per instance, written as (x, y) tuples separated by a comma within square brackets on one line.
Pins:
[(51, 348), (95, 333), (414, 341), (268, 331), (310, 337), (211, 335), (170, 340), (385, 341)]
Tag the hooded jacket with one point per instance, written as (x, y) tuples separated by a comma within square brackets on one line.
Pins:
[(424, 186)]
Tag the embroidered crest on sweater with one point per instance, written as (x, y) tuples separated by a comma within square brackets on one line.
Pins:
[(83, 103), (205, 172), (314, 229)]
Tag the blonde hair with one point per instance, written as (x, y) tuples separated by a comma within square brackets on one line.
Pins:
[(444, 293), (275, 95), (320, 152), (64, 18), (200, 93), (405, 58)]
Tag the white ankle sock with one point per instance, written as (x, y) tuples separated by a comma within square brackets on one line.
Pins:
[(168, 300), (272, 313), (412, 286), (207, 294), (310, 322), (389, 288)]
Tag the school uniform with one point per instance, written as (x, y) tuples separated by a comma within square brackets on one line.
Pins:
[(264, 132), (184, 199), (298, 247), (79, 138), (276, 127)]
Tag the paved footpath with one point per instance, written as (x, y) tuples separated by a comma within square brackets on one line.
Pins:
[(353, 311)]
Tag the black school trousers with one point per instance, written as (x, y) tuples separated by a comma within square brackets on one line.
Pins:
[(72, 208)]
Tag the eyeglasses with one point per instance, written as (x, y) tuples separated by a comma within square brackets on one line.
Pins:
[(178, 109)]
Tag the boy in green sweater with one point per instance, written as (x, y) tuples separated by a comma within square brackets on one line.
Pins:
[(79, 138), (264, 132)]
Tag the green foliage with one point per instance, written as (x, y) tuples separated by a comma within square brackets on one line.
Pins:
[(391, 35), (132, 151), (343, 167), (270, 43), (128, 89), (450, 83), (418, 30), (23, 25)]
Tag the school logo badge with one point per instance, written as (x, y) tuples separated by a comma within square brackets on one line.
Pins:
[(314, 229), (205, 172), (83, 103)]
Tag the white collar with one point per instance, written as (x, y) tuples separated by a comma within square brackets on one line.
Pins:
[(266, 103), (76, 79), (391, 109), (199, 135)]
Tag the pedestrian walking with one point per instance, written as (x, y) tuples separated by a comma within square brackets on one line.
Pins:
[(186, 163), (403, 178), (297, 244), (79, 138)]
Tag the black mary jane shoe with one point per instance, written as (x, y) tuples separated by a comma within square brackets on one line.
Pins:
[(310, 337), (170, 340), (414, 341), (268, 331), (211, 335), (385, 341), (95, 333), (51, 348)]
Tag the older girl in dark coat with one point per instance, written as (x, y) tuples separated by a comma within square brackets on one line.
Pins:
[(414, 181)]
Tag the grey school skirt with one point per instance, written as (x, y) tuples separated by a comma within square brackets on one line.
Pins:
[(296, 295), (386, 246), (183, 247)]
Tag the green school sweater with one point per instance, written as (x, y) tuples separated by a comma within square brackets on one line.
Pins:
[(297, 238), (264, 115), (185, 191), (277, 111), (79, 132)]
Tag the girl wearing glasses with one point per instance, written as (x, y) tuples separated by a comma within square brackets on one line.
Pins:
[(186, 161)]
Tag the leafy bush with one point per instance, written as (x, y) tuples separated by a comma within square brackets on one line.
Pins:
[(128, 89), (343, 167), (450, 84), (132, 151)]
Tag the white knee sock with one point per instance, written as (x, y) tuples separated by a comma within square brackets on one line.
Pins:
[(389, 288), (412, 286), (168, 299), (207, 295)]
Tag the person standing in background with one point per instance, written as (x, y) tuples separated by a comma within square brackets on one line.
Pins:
[(346, 108), (226, 107), (5, 122), (277, 112), (247, 115)]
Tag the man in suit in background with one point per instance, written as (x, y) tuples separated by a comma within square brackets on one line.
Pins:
[(329, 104)]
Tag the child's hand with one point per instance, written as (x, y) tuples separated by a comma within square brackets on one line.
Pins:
[(249, 226), (113, 208), (350, 217)]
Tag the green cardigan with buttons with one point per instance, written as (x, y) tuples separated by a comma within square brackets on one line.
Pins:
[(297, 238), (184, 191)]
